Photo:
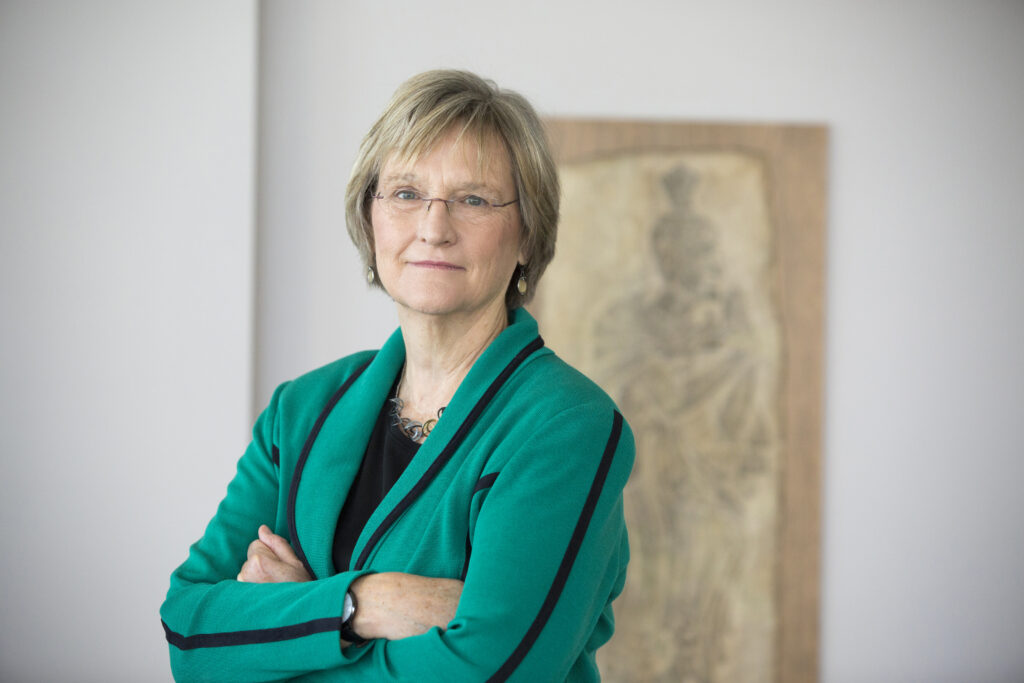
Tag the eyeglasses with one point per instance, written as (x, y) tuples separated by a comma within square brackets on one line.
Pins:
[(469, 209)]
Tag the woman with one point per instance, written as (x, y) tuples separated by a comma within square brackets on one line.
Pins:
[(449, 507)]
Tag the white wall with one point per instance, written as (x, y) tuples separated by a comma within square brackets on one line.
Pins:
[(923, 525), (126, 235)]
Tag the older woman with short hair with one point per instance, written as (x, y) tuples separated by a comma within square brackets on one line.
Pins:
[(450, 506)]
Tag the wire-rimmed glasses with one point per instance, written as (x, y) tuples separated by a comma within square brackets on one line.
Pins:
[(465, 208)]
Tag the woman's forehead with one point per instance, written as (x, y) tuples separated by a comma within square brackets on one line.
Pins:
[(460, 156)]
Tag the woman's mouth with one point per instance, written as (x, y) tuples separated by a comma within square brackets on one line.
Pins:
[(438, 265)]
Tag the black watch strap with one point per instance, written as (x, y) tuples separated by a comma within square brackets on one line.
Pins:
[(346, 631)]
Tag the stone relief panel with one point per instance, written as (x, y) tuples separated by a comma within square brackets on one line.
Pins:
[(662, 291)]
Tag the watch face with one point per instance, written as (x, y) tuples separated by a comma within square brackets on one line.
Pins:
[(348, 608)]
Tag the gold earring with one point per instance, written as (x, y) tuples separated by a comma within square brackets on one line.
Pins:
[(521, 285), (369, 275)]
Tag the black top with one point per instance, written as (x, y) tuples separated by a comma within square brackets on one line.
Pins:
[(387, 455)]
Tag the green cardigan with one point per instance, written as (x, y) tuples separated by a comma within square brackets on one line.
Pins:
[(518, 491)]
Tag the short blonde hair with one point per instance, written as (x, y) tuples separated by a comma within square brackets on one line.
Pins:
[(421, 112)]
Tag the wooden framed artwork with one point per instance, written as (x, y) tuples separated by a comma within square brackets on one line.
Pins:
[(689, 283)]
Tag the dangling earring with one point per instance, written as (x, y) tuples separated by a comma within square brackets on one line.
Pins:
[(521, 285), (370, 275)]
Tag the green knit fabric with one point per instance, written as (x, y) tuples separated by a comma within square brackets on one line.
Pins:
[(536, 605)]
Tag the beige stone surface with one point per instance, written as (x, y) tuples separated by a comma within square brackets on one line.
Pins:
[(663, 292)]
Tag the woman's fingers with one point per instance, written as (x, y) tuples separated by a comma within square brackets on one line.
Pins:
[(264, 568), (258, 547), (270, 559), (255, 568), (280, 547)]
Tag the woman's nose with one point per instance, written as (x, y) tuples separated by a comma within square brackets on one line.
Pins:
[(435, 223)]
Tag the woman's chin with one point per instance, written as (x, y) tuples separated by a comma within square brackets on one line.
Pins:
[(429, 305), (451, 307)]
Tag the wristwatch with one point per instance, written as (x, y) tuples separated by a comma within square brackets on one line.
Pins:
[(348, 613)]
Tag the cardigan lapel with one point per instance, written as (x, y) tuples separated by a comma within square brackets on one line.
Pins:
[(501, 352), (335, 457)]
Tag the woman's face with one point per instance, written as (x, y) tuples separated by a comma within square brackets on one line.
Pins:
[(436, 261)]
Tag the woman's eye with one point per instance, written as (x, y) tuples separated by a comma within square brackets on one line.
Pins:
[(473, 200), (405, 194)]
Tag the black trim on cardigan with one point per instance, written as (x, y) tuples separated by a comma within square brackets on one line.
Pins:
[(465, 563), (301, 463), (485, 482), (252, 637), (275, 456), (448, 451), (562, 576)]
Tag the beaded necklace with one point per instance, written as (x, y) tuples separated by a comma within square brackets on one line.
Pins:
[(413, 429)]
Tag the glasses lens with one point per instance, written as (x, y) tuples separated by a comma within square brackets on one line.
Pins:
[(468, 209), (471, 209)]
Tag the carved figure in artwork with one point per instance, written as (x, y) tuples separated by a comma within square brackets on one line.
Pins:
[(683, 360)]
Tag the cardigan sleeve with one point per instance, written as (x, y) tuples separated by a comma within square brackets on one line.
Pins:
[(549, 552), (220, 629)]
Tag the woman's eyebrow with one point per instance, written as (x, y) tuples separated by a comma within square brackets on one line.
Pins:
[(466, 186), (474, 185), (400, 178)]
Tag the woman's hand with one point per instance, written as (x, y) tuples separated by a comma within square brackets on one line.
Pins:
[(271, 560), (391, 605), (394, 605)]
